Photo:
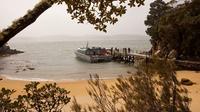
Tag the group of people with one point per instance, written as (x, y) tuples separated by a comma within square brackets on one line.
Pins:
[(125, 56)]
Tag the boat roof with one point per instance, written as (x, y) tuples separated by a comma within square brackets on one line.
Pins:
[(92, 48)]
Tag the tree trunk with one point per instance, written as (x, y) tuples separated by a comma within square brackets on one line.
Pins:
[(24, 21)]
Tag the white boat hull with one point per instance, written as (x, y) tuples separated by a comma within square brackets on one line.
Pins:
[(83, 56), (93, 58)]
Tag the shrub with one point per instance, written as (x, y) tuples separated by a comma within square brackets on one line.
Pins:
[(6, 103), (47, 98), (153, 88)]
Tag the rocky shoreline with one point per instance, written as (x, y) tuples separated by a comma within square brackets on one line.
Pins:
[(189, 63), (6, 51)]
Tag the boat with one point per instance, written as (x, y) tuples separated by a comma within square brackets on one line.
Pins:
[(93, 54)]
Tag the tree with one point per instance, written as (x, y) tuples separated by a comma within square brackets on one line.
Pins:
[(175, 29), (96, 12), (157, 9), (180, 30)]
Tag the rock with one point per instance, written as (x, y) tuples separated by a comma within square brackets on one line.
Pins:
[(6, 51), (186, 82), (24, 69), (1, 69), (30, 68), (128, 72), (1, 78)]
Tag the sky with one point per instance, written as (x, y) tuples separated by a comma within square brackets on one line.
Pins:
[(56, 21)]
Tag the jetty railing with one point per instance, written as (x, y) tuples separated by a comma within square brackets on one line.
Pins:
[(127, 55)]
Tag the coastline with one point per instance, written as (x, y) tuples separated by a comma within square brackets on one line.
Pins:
[(78, 89)]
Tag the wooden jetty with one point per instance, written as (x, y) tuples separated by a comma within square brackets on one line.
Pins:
[(126, 55)]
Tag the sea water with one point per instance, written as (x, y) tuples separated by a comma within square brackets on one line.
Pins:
[(55, 60)]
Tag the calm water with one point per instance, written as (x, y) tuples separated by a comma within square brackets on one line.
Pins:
[(56, 60)]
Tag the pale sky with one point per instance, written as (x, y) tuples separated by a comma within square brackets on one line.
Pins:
[(56, 21)]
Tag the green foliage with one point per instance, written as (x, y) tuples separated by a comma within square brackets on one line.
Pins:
[(47, 98), (180, 30), (96, 12), (175, 28), (99, 12), (101, 94), (157, 9), (6, 103), (76, 107), (153, 88)]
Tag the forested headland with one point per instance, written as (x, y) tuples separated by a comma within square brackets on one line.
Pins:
[(174, 29)]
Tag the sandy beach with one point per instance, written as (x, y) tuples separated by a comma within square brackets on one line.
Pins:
[(194, 90), (78, 88)]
